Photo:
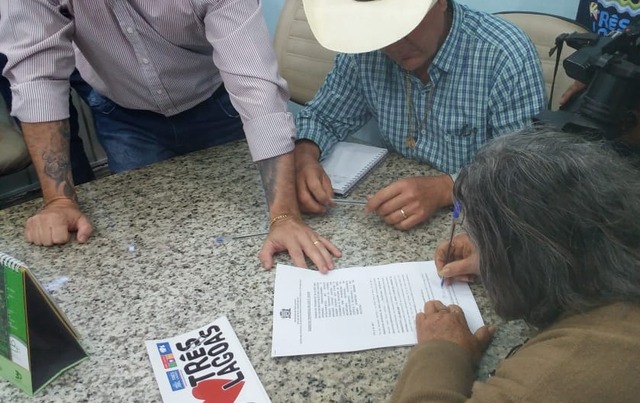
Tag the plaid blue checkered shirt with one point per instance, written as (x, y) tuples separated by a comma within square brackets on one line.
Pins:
[(486, 81)]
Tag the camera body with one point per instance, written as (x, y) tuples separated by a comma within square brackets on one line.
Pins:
[(610, 66)]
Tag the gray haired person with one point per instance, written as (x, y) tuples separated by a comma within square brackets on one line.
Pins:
[(552, 230)]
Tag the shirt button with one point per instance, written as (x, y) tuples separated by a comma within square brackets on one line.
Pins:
[(145, 61), (130, 30), (159, 92), (423, 131)]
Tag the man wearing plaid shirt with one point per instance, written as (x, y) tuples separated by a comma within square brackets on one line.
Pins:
[(440, 81)]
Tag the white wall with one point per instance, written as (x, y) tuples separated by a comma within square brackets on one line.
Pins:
[(565, 8)]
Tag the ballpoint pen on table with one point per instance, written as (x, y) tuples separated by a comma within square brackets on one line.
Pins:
[(250, 235), (349, 201), (454, 218)]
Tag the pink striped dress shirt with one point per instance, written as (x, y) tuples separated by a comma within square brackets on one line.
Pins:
[(164, 56)]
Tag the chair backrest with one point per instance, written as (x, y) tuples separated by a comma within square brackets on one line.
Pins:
[(543, 30), (303, 62), (13, 151)]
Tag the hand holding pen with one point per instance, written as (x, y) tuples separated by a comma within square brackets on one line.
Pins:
[(454, 218), (457, 257)]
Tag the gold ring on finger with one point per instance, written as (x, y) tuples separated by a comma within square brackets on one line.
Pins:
[(403, 214)]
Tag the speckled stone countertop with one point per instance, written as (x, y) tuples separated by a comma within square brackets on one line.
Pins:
[(153, 270)]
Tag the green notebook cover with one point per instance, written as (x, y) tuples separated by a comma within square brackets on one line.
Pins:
[(37, 342)]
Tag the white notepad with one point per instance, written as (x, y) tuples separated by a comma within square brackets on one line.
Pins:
[(348, 163)]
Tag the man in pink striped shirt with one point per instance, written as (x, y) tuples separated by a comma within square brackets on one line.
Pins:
[(157, 70)]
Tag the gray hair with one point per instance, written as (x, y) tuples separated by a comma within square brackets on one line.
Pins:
[(556, 221)]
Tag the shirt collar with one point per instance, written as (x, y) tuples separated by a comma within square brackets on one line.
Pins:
[(450, 50)]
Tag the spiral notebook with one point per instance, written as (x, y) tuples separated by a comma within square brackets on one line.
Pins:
[(348, 163), (37, 342)]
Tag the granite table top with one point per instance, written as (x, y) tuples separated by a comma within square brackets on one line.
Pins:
[(155, 268)]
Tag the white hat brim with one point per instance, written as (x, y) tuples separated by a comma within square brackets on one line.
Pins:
[(351, 26)]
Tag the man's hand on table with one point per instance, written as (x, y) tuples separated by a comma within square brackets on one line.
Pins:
[(313, 185), (411, 201), (54, 224), (294, 236), (314, 188)]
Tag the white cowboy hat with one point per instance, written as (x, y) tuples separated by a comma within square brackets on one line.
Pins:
[(357, 26)]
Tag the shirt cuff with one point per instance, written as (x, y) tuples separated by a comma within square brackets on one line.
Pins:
[(40, 101), (270, 135), (309, 129)]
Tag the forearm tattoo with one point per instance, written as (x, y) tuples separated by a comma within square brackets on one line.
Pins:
[(269, 172), (57, 165)]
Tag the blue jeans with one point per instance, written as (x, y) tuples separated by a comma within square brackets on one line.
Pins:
[(135, 138)]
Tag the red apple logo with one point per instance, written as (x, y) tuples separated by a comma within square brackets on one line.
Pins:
[(211, 391)]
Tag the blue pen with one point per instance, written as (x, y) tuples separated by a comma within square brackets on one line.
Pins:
[(454, 218)]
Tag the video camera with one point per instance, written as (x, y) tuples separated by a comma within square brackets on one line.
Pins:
[(610, 66)]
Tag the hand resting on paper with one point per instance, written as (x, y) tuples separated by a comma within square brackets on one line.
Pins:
[(441, 322), (408, 202), (464, 264)]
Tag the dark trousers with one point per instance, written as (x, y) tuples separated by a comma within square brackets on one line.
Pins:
[(134, 138)]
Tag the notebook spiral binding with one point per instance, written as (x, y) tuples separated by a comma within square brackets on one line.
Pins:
[(10, 262), (361, 174), (349, 163)]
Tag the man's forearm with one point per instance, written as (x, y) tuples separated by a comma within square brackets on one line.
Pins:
[(48, 145), (444, 193), (306, 149), (278, 179)]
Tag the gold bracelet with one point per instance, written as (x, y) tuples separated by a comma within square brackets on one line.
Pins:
[(281, 217)]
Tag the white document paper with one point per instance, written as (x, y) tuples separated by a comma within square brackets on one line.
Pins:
[(206, 365), (358, 308)]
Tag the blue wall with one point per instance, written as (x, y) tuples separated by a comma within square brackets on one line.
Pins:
[(565, 8)]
